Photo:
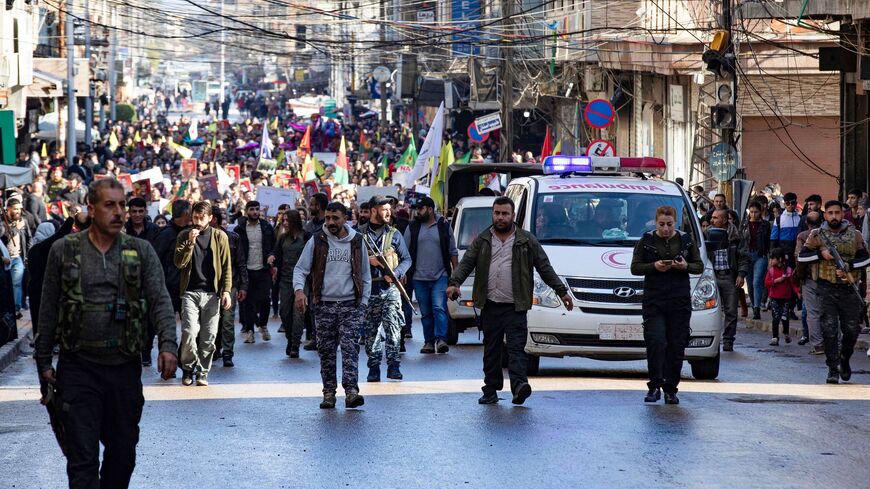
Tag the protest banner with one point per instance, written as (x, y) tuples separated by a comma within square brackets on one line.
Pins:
[(209, 187), (270, 198), (188, 169), (142, 188), (364, 194), (234, 171), (154, 175), (126, 182)]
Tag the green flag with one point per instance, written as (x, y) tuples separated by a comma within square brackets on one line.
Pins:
[(409, 157), (465, 158), (384, 168)]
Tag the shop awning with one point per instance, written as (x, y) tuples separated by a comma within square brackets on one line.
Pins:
[(45, 86)]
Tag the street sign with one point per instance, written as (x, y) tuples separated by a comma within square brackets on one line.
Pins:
[(474, 134), (600, 147), (599, 113), (724, 161), (488, 123), (381, 74), (426, 16)]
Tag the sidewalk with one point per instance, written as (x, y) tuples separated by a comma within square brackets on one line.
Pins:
[(12, 350), (795, 327)]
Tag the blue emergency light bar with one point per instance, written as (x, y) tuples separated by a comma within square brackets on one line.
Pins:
[(563, 164), (604, 164)]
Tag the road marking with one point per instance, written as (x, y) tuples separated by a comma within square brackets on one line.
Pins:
[(177, 392)]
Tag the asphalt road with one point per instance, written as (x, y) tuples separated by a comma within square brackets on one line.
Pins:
[(768, 421)]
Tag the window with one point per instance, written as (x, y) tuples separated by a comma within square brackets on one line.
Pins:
[(602, 218), (473, 221)]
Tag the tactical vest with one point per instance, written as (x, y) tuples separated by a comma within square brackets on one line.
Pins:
[(845, 244), (131, 340)]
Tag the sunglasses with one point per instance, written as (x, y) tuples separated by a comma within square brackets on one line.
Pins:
[(790, 202)]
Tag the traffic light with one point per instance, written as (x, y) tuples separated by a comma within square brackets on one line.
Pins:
[(724, 113)]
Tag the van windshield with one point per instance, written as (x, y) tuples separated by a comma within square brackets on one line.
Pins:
[(602, 218), (474, 221)]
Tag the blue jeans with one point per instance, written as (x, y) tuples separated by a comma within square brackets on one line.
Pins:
[(756, 280), (432, 297), (17, 271)]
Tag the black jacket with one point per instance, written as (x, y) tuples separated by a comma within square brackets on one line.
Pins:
[(35, 205), (164, 245), (268, 233), (149, 233), (37, 260), (764, 237)]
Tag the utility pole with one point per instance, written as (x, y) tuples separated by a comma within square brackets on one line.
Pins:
[(70, 85), (89, 100), (223, 54), (112, 56), (382, 85), (507, 86)]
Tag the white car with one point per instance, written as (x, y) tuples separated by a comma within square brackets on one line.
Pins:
[(588, 214), (471, 216)]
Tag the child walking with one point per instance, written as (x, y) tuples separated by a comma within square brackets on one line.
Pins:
[(781, 289)]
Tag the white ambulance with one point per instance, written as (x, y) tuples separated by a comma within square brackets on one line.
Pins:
[(588, 213)]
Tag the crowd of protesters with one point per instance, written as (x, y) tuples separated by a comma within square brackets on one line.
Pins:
[(788, 257)]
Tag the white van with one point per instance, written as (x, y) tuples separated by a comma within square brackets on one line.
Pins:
[(471, 216), (588, 213)]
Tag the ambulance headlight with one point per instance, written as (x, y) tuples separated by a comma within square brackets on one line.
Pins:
[(705, 296), (543, 295)]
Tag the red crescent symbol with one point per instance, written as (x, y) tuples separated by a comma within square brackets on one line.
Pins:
[(610, 259)]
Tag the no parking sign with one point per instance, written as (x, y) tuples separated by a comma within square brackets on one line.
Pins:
[(475, 136), (599, 113)]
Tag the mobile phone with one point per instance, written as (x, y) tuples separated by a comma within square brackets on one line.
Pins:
[(667, 262)]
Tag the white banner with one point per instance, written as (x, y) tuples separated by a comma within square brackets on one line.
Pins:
[(431, 149), (272, 197)]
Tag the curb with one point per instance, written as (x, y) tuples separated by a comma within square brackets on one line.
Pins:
[(12, 350), (795, 330)]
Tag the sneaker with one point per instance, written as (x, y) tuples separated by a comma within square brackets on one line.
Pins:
[(202, 380), (833, 376), (524, 390), (774, 342), (756, 313), (264, 332), (488, 399), (187, 378), (249, 336), (310, 345), (671, 398), (146, 363), (653, 395), (409, 334), (441, 346), (328, 401), (353, 400), (727, 345), (817, 351), (228, 362), (803, 341), (394, 373), (429, 347), (787, 339), (281, 329), (291, 351), (374, 374)]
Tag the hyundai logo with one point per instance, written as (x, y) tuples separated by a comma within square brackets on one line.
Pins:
[(624, 292)]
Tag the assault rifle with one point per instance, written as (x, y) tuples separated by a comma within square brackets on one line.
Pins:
[(53, 404), (388, 270), (841, 264)]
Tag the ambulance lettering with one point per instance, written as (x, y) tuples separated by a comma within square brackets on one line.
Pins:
[(618, 186)]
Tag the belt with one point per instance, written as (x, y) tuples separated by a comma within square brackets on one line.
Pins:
[(99, 344), (722, 272), (86, 307)]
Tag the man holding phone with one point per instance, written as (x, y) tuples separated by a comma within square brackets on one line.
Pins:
[(665, 257)]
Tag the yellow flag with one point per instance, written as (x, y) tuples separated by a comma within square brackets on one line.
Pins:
[(212, 128), (557, 150), (445, 159), (44, 152), (113, 142), (148, 139), (136, 137), (182, 151), (274, 126)]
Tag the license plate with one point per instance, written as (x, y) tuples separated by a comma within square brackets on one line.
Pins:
[(621, 332)]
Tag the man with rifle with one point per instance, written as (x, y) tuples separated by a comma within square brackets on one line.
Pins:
[(384, 317), (839, 250)]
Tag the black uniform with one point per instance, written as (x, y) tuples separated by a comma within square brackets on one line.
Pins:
[(667, 304)]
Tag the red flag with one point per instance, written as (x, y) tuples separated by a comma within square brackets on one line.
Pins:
[(341, 169), (547, 149), (305, 144)]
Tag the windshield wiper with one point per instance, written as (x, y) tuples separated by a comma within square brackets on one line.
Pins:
[(613, 242)]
